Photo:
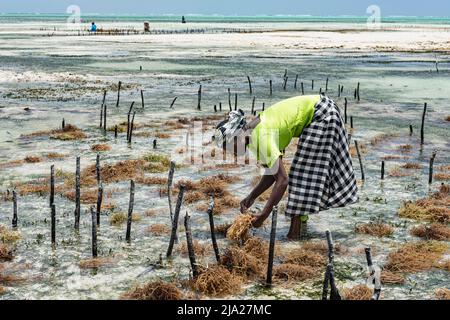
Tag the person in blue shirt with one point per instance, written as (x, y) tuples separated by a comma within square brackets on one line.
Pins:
[(93, 27)]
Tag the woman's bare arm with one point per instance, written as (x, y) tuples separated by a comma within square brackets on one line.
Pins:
[(281, 183)]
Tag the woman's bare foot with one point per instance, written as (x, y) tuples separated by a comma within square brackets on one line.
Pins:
[(298, 228), (294, 230)]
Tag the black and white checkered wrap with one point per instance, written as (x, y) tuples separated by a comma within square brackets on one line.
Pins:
[(321, 175)]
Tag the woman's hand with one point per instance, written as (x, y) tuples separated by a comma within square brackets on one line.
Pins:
[(246, 204), (258, 220)]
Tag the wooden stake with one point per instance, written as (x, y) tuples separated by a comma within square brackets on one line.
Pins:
[(382, 170), (128, 121), (155, 144), (295, 82), (326, 282), (199, 98), (285, 83), (14, 219), (249, 84), (411, 130), (326, 85), (52, 185), (235, 101), (131, 127), (360, 160), (118, 94), (173, 102), (104, 117), (97, 169), (345, 110), (53, 225), (94, 233), (63, 124), (422, 128), (334, 295), (176, 215), (263, 106), (101, 116), (115, 132), (253, 104), (229, 99), (220, 106), (77, 195), (270, 87), (190, 245), (215, 108), (273, 233), (430, 172), (339, 90), (142, 99), (351, 122), (130, 212), (357, 92), (211, 226), (312, 85), (169, 187), (303, 89), (99, 202)]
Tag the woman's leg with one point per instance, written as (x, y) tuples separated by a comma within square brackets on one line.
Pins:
[(298, 228)]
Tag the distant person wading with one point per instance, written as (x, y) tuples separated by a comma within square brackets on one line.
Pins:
[(321, 175), (93, 27)]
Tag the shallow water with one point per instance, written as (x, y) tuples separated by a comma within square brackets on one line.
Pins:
[(72, 73)]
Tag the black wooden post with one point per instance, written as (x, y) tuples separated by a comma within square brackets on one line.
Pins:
[(94, 233), (130, 212), (104, 117), (235, 101), (173, 102), (176, 215), (360, 160), (169, 187), (99, 202), (303, 89), (128, 120), (249, 84), (199, 98), (131, 127), (382, 170), (211, 226), (118, 93), (52, 185), (53, 225), (77, 194), (326, 85), (142, 99), (422, 128), (97, 169), (14, 219), (295, 82), (430, 171), (229, 99), (190, 245), (270, 87), (253, 104), (273, 233), (345, 110)]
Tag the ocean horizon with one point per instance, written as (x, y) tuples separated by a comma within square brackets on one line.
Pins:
[(218, 18)]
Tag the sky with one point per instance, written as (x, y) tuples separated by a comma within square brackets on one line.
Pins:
[(233, 7)]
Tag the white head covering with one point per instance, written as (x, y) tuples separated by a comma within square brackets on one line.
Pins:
[(226, 130)]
